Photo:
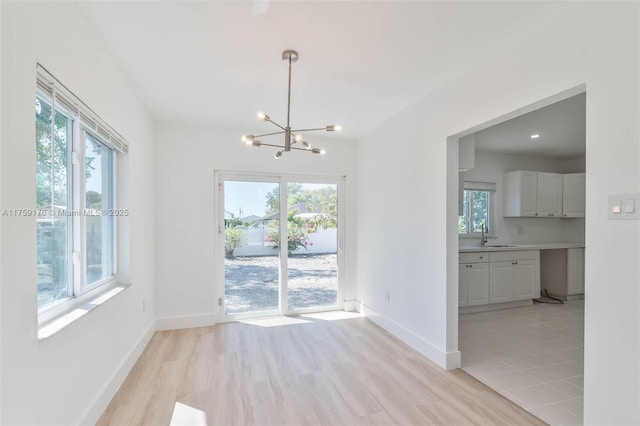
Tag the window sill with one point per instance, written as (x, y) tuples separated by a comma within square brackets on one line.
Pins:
[(76, 312)]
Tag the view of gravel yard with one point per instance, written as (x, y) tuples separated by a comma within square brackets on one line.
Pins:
[(251, 282)]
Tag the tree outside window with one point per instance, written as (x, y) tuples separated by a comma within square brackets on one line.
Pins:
[(477, 210)]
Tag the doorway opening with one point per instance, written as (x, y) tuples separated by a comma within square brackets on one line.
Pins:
[(532, 351)]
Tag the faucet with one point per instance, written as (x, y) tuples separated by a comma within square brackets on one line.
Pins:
[(483, 238)]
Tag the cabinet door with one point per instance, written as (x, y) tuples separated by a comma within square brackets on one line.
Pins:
[(542, 205), (463, 279), (549, 197), (478, 284), (520, 190), (528, 193), (575, 271), (524, 279), (554, 192), (573, 190), (500, 282)]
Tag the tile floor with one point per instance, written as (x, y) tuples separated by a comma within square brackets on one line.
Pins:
[(532, 355)]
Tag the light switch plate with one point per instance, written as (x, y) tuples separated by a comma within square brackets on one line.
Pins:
[(623, 206), (629, 205)]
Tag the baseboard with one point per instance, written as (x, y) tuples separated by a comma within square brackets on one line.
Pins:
[(494, 307), (448, 361), (191, 321), (107, 392)]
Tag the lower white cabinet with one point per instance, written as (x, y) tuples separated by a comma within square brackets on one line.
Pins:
[(499, 277), (575, 271), (463, 281), (501, 282), (525, 279), (474, 284)]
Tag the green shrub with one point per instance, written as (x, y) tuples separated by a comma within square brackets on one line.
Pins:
[(233, 239)]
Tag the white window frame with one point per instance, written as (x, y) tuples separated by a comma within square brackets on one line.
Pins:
[(489, 187), (83, 121)]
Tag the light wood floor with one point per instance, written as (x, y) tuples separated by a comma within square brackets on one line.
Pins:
[(312, 371)]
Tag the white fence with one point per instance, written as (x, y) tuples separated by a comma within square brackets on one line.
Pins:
[(322, 241)]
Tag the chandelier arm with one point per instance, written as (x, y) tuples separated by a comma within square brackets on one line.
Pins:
[(269, 134), (308, 130), (276, 124), (300, 149), (272, 145)]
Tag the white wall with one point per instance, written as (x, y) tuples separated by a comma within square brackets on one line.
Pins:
[(186, 158), (322, 241), (596, 44), (491, 166), (70, 377)]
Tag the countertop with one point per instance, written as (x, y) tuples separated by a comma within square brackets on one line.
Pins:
[(514, 247)]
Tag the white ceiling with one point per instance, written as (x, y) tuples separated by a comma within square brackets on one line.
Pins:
[(360, 63), (561, 126)]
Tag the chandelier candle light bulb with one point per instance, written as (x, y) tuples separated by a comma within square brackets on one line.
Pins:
[(291, 137)]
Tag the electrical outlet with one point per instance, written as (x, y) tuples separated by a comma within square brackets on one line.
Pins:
[(144, 306), (520, 230), (387, 296)]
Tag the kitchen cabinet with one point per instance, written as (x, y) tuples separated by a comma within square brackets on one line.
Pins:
[(501, 282), (466, 153), (575, 271), (520, 192), (573, 190), (497, 277), (514, 275), (549, 195), (473, 279), (526, 285), (477, 284), (534, 194)]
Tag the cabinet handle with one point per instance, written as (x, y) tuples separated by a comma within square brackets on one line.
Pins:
[(481, 257), (536, 214), (470, 266)]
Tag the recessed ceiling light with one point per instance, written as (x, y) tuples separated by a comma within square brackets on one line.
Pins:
[(535, 136)]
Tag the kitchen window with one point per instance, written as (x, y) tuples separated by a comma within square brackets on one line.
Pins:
[(478, 209), (76, 211)]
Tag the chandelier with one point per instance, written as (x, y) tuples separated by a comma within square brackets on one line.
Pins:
[(291, 137)]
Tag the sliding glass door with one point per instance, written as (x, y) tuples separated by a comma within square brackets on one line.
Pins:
[(251, 226), (312, 226), (262, 273)]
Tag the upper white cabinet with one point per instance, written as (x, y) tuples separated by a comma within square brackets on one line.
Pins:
[(573, 195), (520, 193), (541, 194), (466, 153), (549, 197)]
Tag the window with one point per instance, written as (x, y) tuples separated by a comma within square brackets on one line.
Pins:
[(76, 212), (99, 198), (53, 226), (478, 208)]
